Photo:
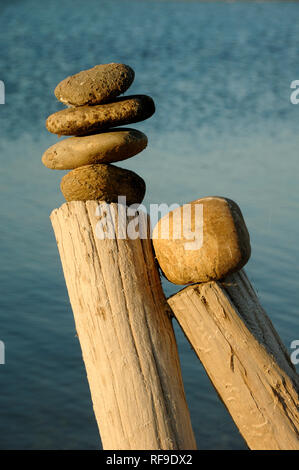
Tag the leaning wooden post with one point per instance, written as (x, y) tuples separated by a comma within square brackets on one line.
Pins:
[(126, 335), (244, 358), (228, 329)]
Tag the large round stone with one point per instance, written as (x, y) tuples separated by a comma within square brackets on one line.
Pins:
[(102, 183), (100, 84), (107, 147), (87, 119), (202, 241)]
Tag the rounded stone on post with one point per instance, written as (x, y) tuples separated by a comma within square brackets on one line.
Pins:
[(202, 241), (102, 182)]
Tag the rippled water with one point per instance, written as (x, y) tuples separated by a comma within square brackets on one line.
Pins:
[(220, 75)]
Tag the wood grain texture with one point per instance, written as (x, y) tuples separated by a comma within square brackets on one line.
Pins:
[(125, 331), (244, 358)]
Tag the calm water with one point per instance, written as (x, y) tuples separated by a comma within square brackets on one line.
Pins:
[(220, 74)]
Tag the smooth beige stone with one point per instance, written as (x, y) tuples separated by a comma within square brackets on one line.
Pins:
[(107, 147), (97, 85), (208, 248), (102, 183), (87, 119)]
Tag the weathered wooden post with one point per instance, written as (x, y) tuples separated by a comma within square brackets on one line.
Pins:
[(227, 327), (126, 335)]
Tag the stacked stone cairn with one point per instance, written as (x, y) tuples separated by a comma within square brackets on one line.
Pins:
[(94, 111)]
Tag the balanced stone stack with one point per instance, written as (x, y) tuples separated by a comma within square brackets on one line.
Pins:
[(94, 110)]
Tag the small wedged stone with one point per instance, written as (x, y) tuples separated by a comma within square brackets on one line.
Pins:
[(97, 85), (102, 182), (107, 147), (88, 119)]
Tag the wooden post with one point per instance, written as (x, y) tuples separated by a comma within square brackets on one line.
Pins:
[(244, 358), (125, 331)]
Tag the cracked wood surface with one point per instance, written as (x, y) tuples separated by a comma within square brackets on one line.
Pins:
[(244, 358), (123, 323)]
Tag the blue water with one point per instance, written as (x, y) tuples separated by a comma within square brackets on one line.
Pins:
[(220, 75)]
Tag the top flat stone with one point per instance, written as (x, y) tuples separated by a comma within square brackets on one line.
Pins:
[(98, 85)]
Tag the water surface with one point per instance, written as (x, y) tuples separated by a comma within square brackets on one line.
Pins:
[(220, 75)]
